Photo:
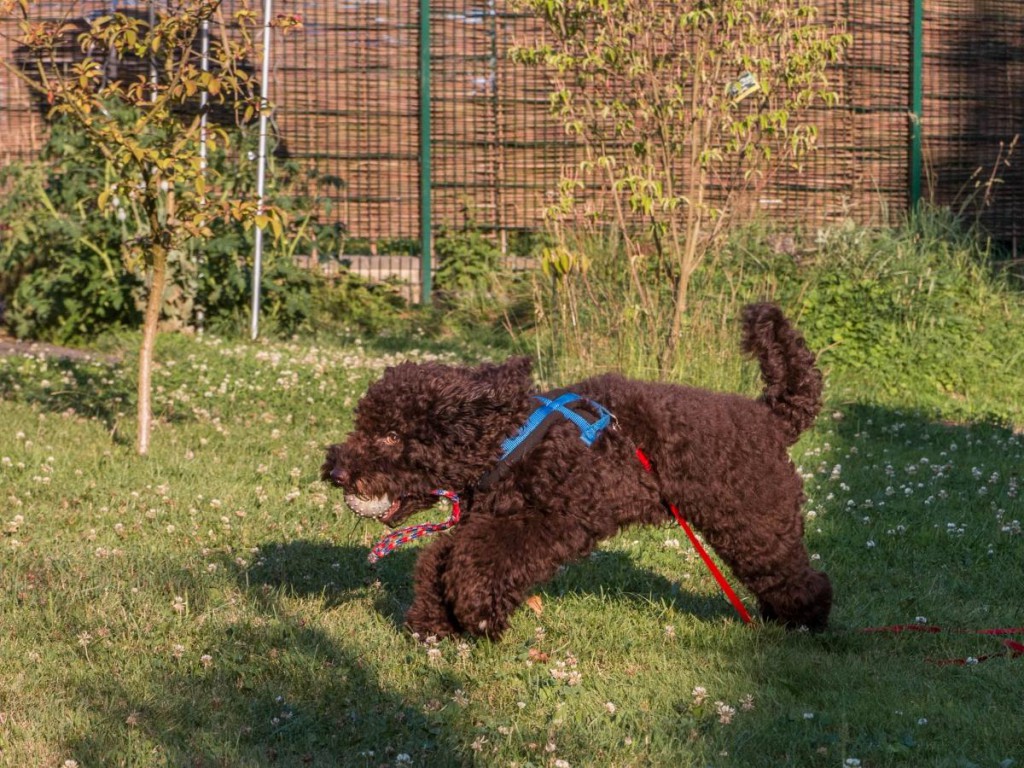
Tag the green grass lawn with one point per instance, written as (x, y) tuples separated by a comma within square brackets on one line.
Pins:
[(211, 604)]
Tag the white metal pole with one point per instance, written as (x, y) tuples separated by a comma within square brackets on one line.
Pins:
[(204, 102), (261, 170), (204, 96), (153, 74)]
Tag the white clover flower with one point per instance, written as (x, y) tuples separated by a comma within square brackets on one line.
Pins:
[(725, 712)]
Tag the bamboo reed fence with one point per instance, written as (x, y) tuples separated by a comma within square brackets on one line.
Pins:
[(347, 94)]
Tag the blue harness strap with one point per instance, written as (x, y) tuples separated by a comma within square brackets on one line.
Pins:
[(589, 431), (567, 406)]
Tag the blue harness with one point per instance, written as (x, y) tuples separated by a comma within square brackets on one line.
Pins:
[(568, 406), (589, 431)]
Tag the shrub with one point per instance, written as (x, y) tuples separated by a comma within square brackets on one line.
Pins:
[(60, 262), (475, 291)]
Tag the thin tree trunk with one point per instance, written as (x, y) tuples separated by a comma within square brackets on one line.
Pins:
[(151, 321), (689, 257), (150, 326)]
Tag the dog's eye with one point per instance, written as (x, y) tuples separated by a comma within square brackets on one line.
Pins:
[(391, 438)]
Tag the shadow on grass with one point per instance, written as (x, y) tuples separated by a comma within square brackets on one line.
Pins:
[(91, 389), (918, 519), (275, 691), (337, 574), (278, 690)]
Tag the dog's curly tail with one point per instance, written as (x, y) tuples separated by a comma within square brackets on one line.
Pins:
[(792, 382)]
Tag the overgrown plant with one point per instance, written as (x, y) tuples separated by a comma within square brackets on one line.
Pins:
[(679, 111), (158, 183), (59, 273)]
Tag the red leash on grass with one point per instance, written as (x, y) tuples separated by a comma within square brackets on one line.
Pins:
[(1014, 648)]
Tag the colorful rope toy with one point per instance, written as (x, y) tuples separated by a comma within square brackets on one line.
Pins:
[(395, 539)]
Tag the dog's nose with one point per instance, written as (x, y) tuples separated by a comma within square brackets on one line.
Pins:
[(340, 476)]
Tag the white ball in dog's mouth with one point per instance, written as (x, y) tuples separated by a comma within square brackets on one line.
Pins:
[(376, 506)]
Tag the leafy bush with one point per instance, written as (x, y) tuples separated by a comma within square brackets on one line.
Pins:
[(351, 304), (466, 264), (59, 261), (915, 314)]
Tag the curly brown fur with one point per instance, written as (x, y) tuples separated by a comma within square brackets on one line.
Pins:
[(721, 458)]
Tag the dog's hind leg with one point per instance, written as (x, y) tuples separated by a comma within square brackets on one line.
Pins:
[(777, 569), (429, 613)]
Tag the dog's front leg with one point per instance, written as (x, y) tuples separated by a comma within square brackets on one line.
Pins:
[(429, 613), (495, 562)]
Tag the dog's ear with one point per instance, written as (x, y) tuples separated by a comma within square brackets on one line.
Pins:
[(507, 382), (516, 369), (489, 388)]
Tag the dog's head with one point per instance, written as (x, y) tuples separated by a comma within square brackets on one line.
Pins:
[(426, 426)]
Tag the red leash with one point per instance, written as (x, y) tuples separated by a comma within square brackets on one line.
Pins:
[(1015, 649), (722, 582)]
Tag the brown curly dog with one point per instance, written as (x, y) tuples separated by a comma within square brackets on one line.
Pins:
[(721, 458)]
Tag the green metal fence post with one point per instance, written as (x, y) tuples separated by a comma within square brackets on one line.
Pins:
[(426, 244), (916, 100)]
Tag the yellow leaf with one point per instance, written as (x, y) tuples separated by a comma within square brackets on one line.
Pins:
[(535, 604)]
